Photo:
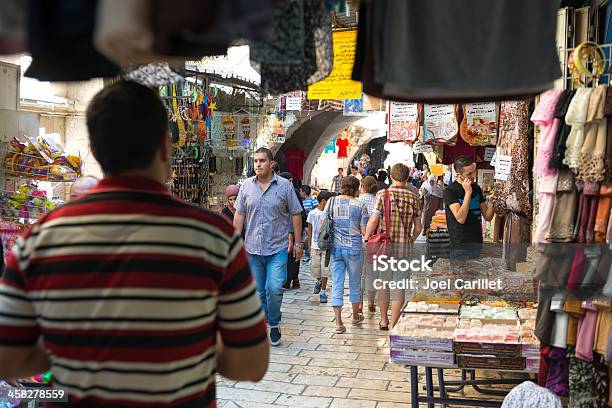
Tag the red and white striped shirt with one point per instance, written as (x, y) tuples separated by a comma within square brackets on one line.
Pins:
[(128, 287)]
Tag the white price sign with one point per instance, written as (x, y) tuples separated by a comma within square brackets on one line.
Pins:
[(503, 165), (489, 153), (421, 148), (294, 103), (402, 111)]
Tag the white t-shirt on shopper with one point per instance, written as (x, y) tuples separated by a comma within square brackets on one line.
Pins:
[(315, 218)]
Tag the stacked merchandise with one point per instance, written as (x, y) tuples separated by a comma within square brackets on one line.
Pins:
[(480, 336), (25, 162), (425, 337), (488, 337), (39, 159), (530, 343), (438, 239)]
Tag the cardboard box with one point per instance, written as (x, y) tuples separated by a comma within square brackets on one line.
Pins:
[(402, 342), (490, 349), (417, 357), (491, 362)]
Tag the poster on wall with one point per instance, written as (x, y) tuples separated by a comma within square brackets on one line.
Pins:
[(353, 107), (339, 84), (275, 129), (440, 123), (479, 125), (403, 122)]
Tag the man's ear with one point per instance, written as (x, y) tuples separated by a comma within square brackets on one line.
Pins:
[(166, 148)]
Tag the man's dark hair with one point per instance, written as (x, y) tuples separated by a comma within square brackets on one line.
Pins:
[(267, 151), (325, 195), (353, 167), (306, 189), (340, 168), (127, 123), (350, 186), (461, 162), (382, 176)]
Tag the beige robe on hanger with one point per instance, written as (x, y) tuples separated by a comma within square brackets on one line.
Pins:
[(576, 118), (591, 166)]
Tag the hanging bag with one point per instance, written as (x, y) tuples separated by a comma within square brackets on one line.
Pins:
[(380, 244), (325, 239)]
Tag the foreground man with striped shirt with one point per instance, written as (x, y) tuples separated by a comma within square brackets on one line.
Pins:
[(131, 296)]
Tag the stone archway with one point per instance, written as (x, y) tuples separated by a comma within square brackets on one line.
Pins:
[(312, 134)]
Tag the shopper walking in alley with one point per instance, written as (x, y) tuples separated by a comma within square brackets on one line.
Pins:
[(432, 196), (267, 203), (138, 297), (231, 192), (317, 262), (369, 188), (337, 181), (309, 203), (350, 218), (405, 227), (293, 264)]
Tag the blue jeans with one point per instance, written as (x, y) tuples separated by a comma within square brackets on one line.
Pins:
[(270, 272), (341, 261)]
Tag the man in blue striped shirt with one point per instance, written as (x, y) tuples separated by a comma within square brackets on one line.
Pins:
[(309, 202)]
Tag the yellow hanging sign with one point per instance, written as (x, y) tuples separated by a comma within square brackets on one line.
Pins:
[(339, 84)]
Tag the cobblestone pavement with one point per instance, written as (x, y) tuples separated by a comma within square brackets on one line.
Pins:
[(315, 367)]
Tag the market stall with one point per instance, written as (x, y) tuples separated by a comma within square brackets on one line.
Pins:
[(442, 335)]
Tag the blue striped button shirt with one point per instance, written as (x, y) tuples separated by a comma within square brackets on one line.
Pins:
[(267, 214)]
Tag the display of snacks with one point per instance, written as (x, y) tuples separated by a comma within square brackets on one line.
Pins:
[(424, 331), (527, 313), (431, 307), (489, 333), (488, 313)]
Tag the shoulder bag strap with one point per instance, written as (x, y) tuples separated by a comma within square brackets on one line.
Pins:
[(387, 214)]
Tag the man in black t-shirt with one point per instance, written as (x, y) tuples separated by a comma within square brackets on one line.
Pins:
[(465, 203)]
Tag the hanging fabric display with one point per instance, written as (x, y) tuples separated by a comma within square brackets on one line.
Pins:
[(440, 123), (479, 124), (504, 72), (544, 117), (563, 222), (592, 152), (576, 118), (55, 26), (404, 123), (512, 194)]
